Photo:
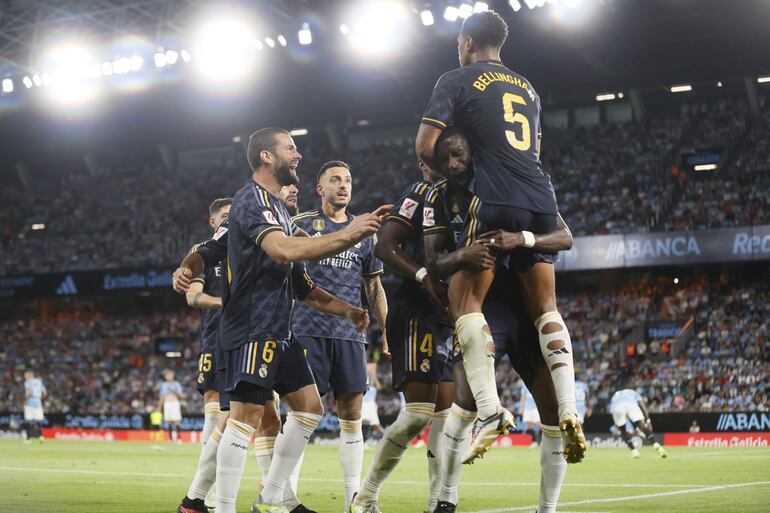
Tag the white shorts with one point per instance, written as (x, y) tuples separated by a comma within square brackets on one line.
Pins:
[(531, 416), (32, 413), (625, 412), (172, 411), (369, 414)]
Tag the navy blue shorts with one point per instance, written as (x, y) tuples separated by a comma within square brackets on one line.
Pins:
[(421, 349), (515, 335), (224, 397), (483, 218), (207, 372), (255, 369), (337, 365)]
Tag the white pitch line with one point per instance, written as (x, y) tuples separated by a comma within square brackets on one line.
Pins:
[(631, 497), (332, 480)]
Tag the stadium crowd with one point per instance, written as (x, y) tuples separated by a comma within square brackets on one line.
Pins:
[(609, 178), (108, 364)]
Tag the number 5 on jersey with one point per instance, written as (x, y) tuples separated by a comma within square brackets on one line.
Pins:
[(525, 142)]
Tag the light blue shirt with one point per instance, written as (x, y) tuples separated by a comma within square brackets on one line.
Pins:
[(529, 402), (167, 388), (581, 394), (35, 388), (623, 397), (371, 395)]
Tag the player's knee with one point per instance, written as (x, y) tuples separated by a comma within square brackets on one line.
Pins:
[(210, 396)]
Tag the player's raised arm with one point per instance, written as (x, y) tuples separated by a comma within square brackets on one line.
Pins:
[(558, 240), (285, 249), (202, 255)]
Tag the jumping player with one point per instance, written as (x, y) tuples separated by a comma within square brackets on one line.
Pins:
[(169, 403), (258, 352), (512, 332), (34, 393), (419, 341), (628, 405), (499, 111), (335, 351)]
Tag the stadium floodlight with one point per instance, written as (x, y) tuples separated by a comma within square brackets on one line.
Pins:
[(7, 85), (160, 60), (363, 122), (282, 40), (136, 62), (121, 66), (605, 97), (682, 88), (185, 55), (172, 57), (427, 18), (224, 49), (344, 29), (719, 84), (46, 77), (480, 7), (705, 167), (27, 82), (70, 74), (37, 80), (763, 80), (298, 131), (38, 226), (304, 36), (106, 69), (451, 13), (380, 27), (464, 10), (270, 42), (515, 5), (620, 95), (676, 281)]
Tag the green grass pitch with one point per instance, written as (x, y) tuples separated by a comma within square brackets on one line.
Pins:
[(131, 477)]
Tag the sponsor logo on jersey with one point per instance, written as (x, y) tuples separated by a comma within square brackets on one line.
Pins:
[(220, 231), (408, 208), (427, 217), (269, 217)]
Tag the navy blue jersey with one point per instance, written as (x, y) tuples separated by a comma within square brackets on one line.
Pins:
[(213, 285), (499, 112), (445, 212), (258, 299), (340, 275), (408, 211)]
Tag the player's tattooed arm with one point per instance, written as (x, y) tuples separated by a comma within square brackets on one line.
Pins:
[(378, 302), (558, 240), (196, 298), (285, 249), (441, 264), (319, 299)]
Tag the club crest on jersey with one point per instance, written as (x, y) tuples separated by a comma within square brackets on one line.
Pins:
[(319, 224), (427, 217), (270, 217), (408, 208), (220, 231), (263, 371), (425, 365)]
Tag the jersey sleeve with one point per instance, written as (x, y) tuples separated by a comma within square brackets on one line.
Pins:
[(372, 266), (441, 106), (301, 280), (213, 250), (407, 211), (433, 219), (257, 220)]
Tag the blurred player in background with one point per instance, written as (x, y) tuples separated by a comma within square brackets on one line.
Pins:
[(335, 351), (370, 416), (627, 405), (446, 209), (169, 403), (582, 398), (419, 341), (34, 393), (529, 414), (499, 111)]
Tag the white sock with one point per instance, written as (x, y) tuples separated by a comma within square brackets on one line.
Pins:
[(210, 421), (434, 457), (231, 458), (263, 450), (394, 442), (553, 466), (351, 457), (174, 434), (289, 446), (294, 477), (479, 361), (456, 441), (206, 472), (557, 352)]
